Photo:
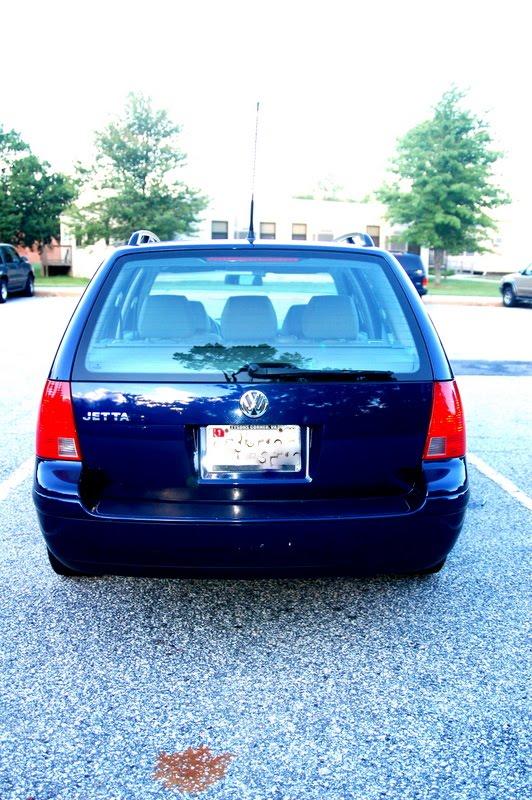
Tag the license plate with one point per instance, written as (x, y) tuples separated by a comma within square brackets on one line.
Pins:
[(251, 448)]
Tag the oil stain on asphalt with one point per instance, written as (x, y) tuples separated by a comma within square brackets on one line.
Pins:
[(192, 771)]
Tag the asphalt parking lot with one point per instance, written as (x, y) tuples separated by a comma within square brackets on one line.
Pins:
[(319, 689)]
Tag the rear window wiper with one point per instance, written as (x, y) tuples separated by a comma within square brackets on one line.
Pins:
[(283, 371)]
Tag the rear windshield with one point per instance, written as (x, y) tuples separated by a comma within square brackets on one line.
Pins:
[(203, 316), (409, 260)]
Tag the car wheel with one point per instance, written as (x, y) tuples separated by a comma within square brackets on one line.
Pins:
[(3, 291), (29, 289), (61, 569), (508, 297)]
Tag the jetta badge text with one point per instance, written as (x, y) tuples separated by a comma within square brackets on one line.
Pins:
[(106, 416), (254, 403)]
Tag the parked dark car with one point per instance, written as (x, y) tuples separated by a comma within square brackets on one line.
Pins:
[(228, 405), (415, 269), (16, 273), (411, 262)]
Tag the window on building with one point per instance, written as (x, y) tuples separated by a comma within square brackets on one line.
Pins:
[(325, 236), (242, 234), (299, 231), (219, 229), (267, 230), (375, 232)]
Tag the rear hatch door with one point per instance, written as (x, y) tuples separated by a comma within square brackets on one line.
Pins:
[(335, 350)]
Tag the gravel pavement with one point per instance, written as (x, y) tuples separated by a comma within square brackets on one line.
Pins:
[(322, 689), (337, 688)]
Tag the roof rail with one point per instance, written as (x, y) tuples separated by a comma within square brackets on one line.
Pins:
[(357, 238), (143, 237)]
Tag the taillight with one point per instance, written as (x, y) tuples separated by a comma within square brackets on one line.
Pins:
[(446, 437), (56, 429), (424, 281)]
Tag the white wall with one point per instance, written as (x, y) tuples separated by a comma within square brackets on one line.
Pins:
[(320, 216), (511, 248)]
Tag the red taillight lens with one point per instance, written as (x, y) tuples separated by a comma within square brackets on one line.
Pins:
[(56, 429), (424, 281), (446, 437)]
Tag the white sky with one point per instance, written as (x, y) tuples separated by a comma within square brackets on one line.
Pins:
[(338, 81)]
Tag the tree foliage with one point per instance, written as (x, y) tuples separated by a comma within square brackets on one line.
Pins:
[(218, 356), (32, 197), (443, 187), (135, 179)]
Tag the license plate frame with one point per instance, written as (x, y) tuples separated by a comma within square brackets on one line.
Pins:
[(217, 461)]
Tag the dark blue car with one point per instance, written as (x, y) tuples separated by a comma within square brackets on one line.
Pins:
[(229, 406), (415, 269)]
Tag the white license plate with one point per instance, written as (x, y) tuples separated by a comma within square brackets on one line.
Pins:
[(251, 448)]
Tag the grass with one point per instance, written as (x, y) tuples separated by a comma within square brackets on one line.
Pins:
[(60, 280), (463, 288), (56, 280), (468, 287), (472, 287)]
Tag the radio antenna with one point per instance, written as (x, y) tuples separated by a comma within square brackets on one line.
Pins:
[(251, 231)]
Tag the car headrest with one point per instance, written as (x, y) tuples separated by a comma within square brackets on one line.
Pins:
[(330, 317), (293, 321), (198, 315), (249, 318), (166, 316)]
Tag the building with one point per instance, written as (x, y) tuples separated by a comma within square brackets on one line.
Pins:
[(281, 219), (294, 219), (286, 219)]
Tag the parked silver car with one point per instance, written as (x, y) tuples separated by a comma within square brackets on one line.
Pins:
[(517, 287)]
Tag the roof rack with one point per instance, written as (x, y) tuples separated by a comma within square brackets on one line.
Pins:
[(143, 237), (357, 238)]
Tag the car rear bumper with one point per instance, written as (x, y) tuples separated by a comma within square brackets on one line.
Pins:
[(366, 536), (421, 290)]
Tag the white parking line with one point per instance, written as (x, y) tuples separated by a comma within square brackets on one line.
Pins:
[(17, 477), (500, 480)]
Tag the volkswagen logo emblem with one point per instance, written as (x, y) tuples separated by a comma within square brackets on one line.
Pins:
[(254, 403)]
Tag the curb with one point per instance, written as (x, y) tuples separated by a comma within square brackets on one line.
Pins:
[(460, 300), (59, 291)]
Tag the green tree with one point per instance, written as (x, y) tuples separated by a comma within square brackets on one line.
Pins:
[(136, 183), (32, 197), (225, 358), (443, 187)]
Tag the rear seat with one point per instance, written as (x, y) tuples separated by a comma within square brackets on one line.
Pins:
[(165, 316), (200, 320), (174, 317), (325, 317), (249, 319), (330, 317), (293, 321)]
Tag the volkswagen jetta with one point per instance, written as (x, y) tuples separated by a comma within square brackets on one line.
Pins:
[(230, 406)]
